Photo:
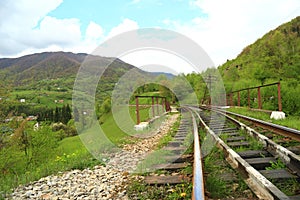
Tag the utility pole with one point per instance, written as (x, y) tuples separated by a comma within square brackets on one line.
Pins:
[(210, 79)]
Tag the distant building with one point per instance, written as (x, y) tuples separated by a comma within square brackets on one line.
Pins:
[(31, 118)]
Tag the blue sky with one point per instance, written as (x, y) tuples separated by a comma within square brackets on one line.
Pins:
[(221, 27), (148, 13)]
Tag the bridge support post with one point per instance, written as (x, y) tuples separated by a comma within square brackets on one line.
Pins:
[(279, 97), (137, 110), (231, 101), (259, 98), (162, 104), (157, 108)]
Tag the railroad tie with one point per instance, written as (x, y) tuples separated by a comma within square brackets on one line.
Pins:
[(254, 154), (237, 138), (164, 180), (296, 197), (175, 150), (179, 159), (232, 134), (225, 130), (277, 174), (260, 163), (238, 144), (295, 149), (170, 166)]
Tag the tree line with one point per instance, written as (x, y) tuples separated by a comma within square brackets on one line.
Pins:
[(59, 114)]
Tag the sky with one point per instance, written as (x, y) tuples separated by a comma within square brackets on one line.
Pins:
[(221, 27)]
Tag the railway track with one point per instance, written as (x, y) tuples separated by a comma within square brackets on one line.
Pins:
[(282, 130), (287, 137), (270, 170), (176, 158)]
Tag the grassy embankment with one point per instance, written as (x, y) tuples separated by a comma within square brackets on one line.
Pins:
[(70, 153)]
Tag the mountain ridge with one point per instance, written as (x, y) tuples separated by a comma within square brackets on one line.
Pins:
[(49, 65)]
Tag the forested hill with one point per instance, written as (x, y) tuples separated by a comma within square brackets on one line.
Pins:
[(275, 56), (30, 69)]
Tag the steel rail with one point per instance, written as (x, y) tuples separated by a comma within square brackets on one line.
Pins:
[(198, 178)]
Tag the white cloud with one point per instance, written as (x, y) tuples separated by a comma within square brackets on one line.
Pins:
[(94, 31), (28, 29), (231, 25), (126, 25), (94, 35), (25, 13), (65, 32), (158, 61)]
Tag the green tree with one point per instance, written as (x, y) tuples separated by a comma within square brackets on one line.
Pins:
[(57, 114), (261, 75), (21, 138), (106, 106), (42, 144)]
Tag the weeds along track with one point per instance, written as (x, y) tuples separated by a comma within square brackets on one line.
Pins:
[(271, 170)]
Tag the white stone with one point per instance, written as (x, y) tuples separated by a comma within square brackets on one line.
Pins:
[(141, 126), (277, 115), (174, 109)]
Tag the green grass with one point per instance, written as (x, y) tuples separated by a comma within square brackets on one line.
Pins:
[(214, 166), (289, 121), (169, 136), (112, 130), (289, 187), (126, 120), (214, 185), (139, 190), (42, 97), (276, 165), (70, 154)]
